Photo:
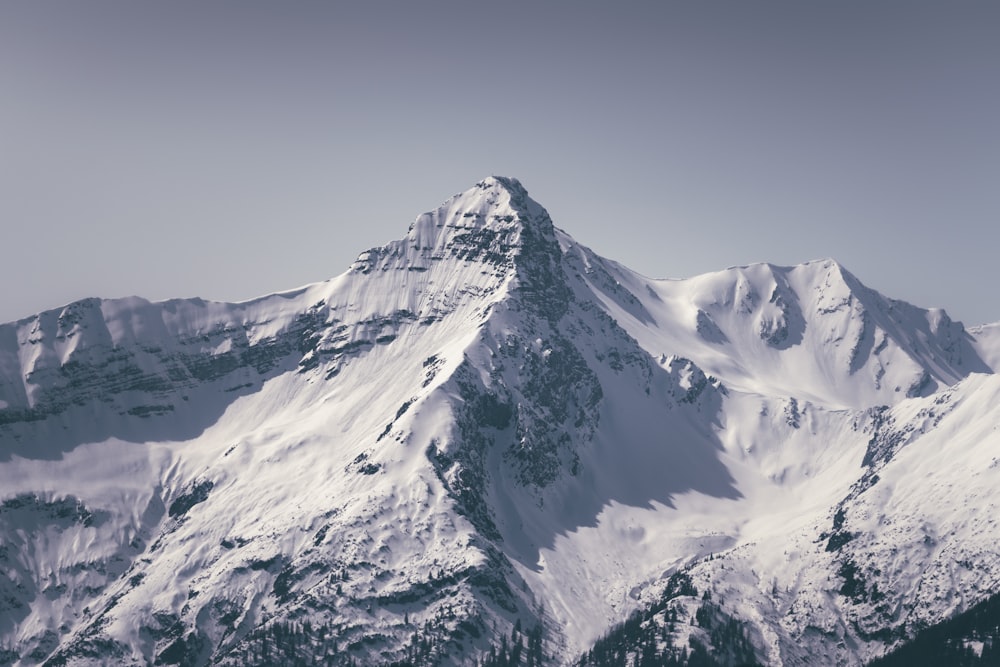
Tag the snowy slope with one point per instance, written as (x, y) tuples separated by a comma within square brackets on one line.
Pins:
[(909, 543), (255, 445), (811, 331), (987, 344), (485, 426)]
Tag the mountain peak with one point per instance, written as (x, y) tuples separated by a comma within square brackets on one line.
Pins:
[(484, 223), (491, 200), (482, 427), (507, 182)]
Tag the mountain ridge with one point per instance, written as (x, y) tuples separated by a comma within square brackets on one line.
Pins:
[(554, 439)]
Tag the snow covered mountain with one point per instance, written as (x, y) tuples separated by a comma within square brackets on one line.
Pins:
[(485, 442)]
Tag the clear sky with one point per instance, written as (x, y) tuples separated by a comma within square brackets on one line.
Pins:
[(228, 149)]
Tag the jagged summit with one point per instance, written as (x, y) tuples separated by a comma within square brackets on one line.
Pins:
[(485, 223)]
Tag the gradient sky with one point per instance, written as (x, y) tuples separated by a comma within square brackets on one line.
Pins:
[(228, 149)]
